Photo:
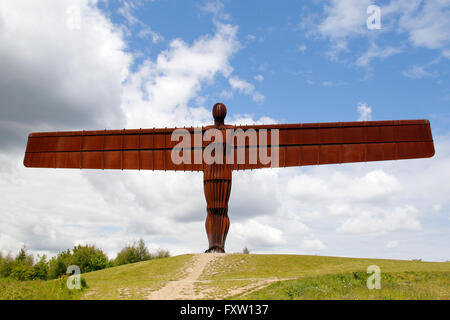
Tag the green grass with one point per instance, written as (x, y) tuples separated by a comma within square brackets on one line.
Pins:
[(253, 276), (244, 266), (136, 280), (352, 286), (319, 274), (37, 290)]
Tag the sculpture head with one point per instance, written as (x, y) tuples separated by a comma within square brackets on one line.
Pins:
[(219, 113)]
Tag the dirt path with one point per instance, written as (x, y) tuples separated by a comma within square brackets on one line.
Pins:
[(184, 288)]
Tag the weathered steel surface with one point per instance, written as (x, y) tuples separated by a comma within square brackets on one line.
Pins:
[(299, 145), (217, 187)]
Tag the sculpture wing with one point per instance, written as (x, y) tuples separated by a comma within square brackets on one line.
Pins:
[(344, 142), (298, 145), (141, 149)]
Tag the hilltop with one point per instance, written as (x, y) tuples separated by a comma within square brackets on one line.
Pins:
[(254, 276)]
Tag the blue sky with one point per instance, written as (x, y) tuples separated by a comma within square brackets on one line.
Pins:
[(86, 64), (301, 82)]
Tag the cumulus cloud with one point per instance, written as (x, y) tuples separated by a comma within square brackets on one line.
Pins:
[(257, 235), (312, 245), (159, 92), (365, 112), (424, 23), (61, 71), (80, 78), (382, 221), (344, 18)]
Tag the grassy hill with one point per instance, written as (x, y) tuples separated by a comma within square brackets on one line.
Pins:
[(248, 276)]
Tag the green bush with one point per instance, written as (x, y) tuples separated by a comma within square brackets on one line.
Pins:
[(41, 268), (6, 265), (138, 252), (133, 253), (22, 272), (89, 258), (58, 265), (161, 254), (24, 257)]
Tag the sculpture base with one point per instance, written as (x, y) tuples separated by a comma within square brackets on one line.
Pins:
[(215, 250)]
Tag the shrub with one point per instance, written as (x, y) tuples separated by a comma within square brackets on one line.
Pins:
[(245, 251), (6, 265), (161, 254), (24, 257), (21, 271), (58, 265), (89, 258), (138, 252), (133, 253), (41, 268)]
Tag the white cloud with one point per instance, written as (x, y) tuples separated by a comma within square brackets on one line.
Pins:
[(216, 8), (365, 112), (302, 48), (259, 78), (374, 52), (258, 97), (256, 235), (417, 72), (59, 71), (245, 87), (392, 244), (344, 18), (446, 53), (382, 221), (241, 85), (126, 10), (332, 83), (312, 245), (424, 22), (291, 209), (159, 92)]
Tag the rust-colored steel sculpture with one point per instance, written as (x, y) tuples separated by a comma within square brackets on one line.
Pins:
[(298, 145)]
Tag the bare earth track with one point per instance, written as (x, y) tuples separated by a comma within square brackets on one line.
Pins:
[(184, 289)]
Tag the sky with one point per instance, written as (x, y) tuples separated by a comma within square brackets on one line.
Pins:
[(86, 64)]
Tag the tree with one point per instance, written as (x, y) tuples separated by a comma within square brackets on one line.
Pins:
[(133, 253), (6, 265), (41, 268), (24, 257), (142, 251), (58, 265), (89, 258)]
